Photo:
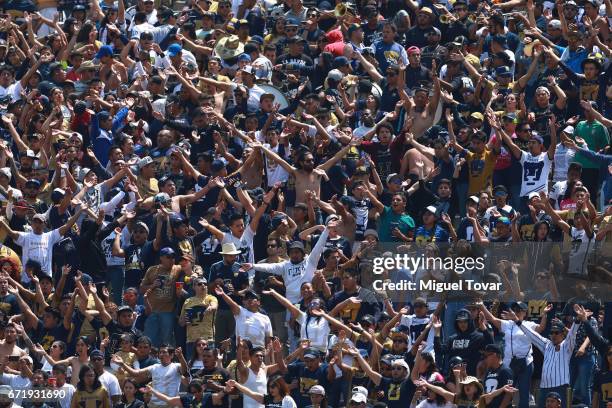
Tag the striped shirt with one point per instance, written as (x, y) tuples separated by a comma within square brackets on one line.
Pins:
[(555, 370)]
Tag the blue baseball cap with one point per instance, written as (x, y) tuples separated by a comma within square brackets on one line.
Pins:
[(174, 49), (167, 251), (104, 51), (503, 71)]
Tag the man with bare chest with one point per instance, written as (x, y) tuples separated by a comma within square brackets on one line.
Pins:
[(307, 176), (8, 346)]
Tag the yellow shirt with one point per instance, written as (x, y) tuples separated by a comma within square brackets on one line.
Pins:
[(202, 324), (97, 399), (147, 188), (480, 167)]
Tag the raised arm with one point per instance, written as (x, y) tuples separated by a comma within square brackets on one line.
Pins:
[(293, 310), (230, 302), (374, 376)]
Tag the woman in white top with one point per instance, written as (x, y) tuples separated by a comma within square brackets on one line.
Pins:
[(312, 327), (277, 394)]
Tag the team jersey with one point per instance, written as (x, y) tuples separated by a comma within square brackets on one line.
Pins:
[(535, 172), (578, 256)]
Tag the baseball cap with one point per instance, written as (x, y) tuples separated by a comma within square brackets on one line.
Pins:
[(553, 395), (145, 161), (477, 116), (124, 308), (359, 398), (335, 75), (519, 305), (217, 165), (371, 232), (400, 362), (569, 130), (431, 209), (537, 137), (167, 251), (317, 390), (504, 220), (532, 194), (96, 354), (340, 62), (162, 198), (311, 353), (413, 50), (503, 71), (296, 245), (174, 49), (6, 171), (33, 182), (104, 51)]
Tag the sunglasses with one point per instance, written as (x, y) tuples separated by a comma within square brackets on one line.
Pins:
[(555, 332)]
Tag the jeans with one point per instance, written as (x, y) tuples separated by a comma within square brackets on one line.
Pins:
[(581, 374), (565, 391), (522, 382), (115, 276), (159, 327)]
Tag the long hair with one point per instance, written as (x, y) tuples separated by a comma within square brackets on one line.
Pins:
[(81, 384), (279, 381), (83, 35)]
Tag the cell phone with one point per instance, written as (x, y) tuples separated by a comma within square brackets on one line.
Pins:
[(13, 359)]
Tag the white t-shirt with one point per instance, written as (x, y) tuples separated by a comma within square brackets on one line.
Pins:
[(535, 172), (16, 382), (563, 158), (38, 248), (275, 172), (253, 326), (317, 331), (69, 390), (578, 255), (110, 382), (165, 379), (516, 342), (244, 244), (557, 192)]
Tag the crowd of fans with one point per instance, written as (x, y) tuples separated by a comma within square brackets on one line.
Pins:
[(196, 198)]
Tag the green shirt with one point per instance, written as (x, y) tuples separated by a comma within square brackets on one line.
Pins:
[(596, 136), (405, 223)]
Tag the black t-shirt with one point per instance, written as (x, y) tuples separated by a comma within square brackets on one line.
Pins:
[(134, 404), (134, 265), (217, 375), (415, 76), (496, 379), (397, 394), (189, 401), (603, 386), (46, 337), (370, 36), (306, 380), (229, 274)]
